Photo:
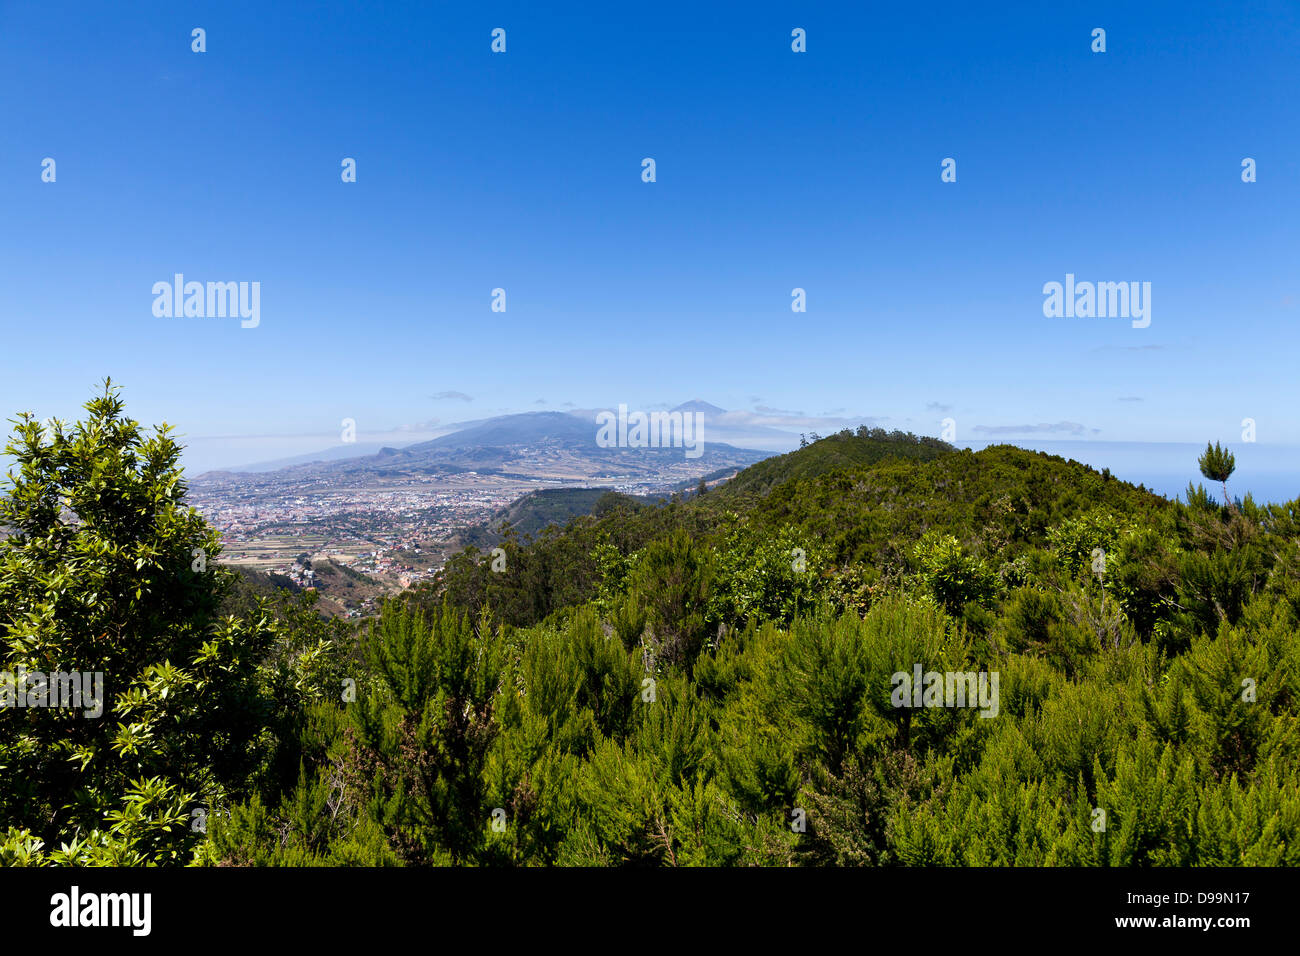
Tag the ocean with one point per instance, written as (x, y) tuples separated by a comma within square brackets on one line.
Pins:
[(1270, 473)]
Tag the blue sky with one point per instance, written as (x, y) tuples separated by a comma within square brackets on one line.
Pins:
[(775, 170)]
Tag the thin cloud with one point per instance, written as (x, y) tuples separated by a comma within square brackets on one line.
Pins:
[(258, 437), (775, 418), (1043, 428), (937, 407), (431, 424), (459, 396), (768, 418), (1129, 348)]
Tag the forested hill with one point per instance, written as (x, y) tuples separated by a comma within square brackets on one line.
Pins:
[(1000, 498), (860, 502), (844, 449), (532, 513), (537, 510)]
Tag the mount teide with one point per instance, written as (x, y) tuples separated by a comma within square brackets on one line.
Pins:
[(534, 445)]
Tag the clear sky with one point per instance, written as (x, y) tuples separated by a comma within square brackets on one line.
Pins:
[(522, 170)]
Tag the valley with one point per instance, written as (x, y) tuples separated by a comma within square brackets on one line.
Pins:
[(397, 514)]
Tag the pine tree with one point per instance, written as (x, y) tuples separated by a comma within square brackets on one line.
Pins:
[(1218, 464)]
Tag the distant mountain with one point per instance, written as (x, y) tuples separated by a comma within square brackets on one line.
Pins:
[(336, 453), (527, 428), (739, 428), (541, 445), (699, 406), (722, 429)]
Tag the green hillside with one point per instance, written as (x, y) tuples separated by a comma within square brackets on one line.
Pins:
[(836, 452), (338, 589), (539, 509), (1000, 502), (534, 512)]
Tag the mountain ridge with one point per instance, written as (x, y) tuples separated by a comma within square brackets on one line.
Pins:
[(545, 445)]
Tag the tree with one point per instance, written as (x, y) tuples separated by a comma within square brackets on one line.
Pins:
[(1218, 464), (108, 578)]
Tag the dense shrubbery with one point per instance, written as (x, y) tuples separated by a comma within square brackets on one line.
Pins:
[(708, 682)]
